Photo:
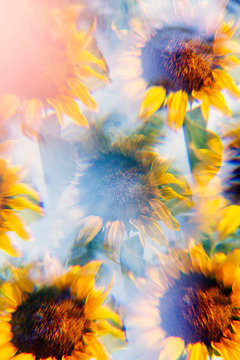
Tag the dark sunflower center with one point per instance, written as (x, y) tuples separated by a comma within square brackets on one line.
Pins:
[(178, 60), (50, 323), (114, 187), (196, 309)]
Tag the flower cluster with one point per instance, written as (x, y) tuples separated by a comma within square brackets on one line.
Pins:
[(133, 214)]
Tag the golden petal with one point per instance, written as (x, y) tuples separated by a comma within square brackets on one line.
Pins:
[(164, 214), (87, 71), (95, 299), (11, 292), (197, 351), (171, 179), (154, 231), (176, 108), (226, 82), (81, 91), (236, 326), (21, 203), (229, 268), (7, 351), (5, 244), (85, 56), (104, 312), (22, 189), (104, 327), (71, 109), (229, 220), (200, 260), (153, 100), (99, 349), (230, 61), (91, 268), (235, 296), (217, 100), (14, 222), (25, 356), (83, 287), (228, 349), (202, 96), (5, 332)]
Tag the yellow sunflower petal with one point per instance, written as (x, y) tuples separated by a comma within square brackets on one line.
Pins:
[(71, 109), (171, 179), (200, 260), (14, 223), (236, 326), (222, 48), (104, 327), (228, 349), (7, 351), (106, 313), (100, 351), (226, 82), (176, 108), (228, 269), (90, 268), (22, 189), (81, 91), (11, 292), (86, 71), (197, 351), (172, 349), (229, 220), (164, 214), (20, 203), (217, 100), (153, 100), (86, 57), (205, 108), (154, 231), (159, 167), (229, 61), (235, 296), (168, 193), (25, 356), (5, 332), (5, 244)]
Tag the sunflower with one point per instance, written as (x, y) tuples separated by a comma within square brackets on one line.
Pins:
[(46, 62), (177, 61), (14, 196), (124, 185), (214, 215), (191, 306), (59, 320)]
